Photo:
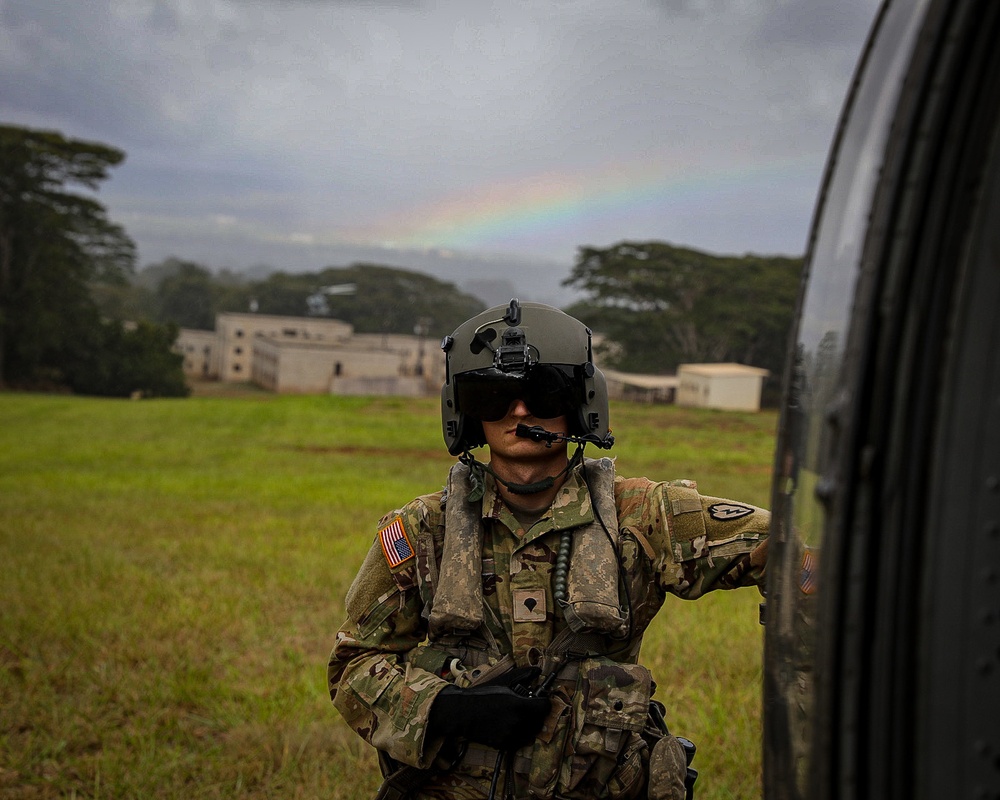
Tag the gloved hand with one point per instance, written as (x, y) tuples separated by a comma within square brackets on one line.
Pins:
[(494, 714)]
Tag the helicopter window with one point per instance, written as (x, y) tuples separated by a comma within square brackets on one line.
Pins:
[(816, 392)]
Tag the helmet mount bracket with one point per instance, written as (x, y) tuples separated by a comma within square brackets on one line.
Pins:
[(513, 356)]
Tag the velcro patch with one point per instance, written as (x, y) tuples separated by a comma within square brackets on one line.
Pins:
[(529, 605), (685, 505), (729, 511), (395, 543)]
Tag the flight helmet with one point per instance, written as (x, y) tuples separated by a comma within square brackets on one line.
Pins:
[(530, 351)]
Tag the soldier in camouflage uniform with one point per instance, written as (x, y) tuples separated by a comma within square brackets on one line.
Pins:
[(493, 633)]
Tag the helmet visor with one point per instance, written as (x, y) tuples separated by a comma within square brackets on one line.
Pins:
[(547, 390)]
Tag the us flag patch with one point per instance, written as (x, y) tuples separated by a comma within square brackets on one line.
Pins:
[(395, 544)]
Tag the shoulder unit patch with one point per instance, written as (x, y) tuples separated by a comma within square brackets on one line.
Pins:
[(729, 511), (395, 543)]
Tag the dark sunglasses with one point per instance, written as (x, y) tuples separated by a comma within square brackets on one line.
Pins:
[(547, 392)]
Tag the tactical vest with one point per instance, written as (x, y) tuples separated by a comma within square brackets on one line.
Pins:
[(591, 602), (596, 741)]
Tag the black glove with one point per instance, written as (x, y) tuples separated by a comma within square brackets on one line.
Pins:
[(493, 714)]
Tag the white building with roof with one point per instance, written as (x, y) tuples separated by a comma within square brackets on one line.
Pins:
[(729, 386)]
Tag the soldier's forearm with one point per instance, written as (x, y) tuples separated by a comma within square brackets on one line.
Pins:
[(386, 704)]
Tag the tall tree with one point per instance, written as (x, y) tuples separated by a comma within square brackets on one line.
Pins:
[(188, 296), (282, 293), (54, 242), (392, 300), (662, 305)]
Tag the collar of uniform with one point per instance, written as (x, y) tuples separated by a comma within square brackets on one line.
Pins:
[(494, 508), (570, 508)]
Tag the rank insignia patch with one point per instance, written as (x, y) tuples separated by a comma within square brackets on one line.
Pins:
[(529, 605), (728, 511), (395, 544)]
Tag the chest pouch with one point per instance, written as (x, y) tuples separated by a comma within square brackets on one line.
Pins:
[(592, 745)]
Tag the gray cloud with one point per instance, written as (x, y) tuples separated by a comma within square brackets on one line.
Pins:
[(816, 23), (304, 122)]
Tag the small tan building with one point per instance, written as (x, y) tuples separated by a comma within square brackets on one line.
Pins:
[(734, 387)]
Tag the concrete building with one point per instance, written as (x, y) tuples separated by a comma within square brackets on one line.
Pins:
[(734, 387), (308, 355), (200, 352), (392, 365), (237, 333)]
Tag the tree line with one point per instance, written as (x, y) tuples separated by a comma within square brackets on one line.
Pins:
[(75, 312), (372, 297), (659, 306)]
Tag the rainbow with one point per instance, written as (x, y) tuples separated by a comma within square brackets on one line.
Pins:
[(518, 210)]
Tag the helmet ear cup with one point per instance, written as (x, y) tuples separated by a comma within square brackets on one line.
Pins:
[(451, 420), (461, 432), (592, 415)]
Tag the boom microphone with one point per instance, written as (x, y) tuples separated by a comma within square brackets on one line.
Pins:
[(538, 434)]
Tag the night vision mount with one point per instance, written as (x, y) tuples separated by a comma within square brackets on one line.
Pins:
[(514, 355)]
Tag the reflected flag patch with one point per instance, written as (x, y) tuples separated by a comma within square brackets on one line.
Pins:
[(395, 544), (807, 576)]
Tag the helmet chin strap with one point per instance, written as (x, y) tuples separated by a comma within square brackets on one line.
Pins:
[(477, 479)]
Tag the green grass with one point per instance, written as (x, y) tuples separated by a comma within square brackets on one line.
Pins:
[(172, 575)]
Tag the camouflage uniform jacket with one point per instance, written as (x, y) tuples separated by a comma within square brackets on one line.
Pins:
[(384, 672)]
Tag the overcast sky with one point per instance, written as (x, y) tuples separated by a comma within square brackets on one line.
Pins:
[(303, 133)]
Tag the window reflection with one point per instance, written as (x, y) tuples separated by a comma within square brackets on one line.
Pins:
[(818, 387)]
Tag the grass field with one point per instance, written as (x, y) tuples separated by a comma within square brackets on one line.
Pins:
[(173, 573)]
